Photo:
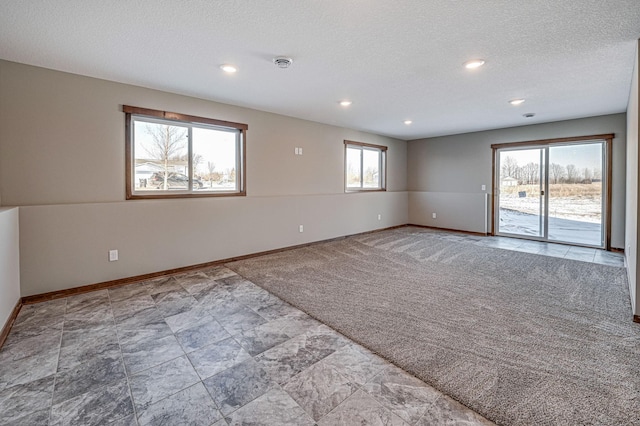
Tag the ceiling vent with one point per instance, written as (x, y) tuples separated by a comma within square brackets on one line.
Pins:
[(282, 62)]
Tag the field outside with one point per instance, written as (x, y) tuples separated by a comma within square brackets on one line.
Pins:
[(573, 201)]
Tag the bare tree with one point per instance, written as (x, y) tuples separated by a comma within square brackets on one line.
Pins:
[(572, 173), (597, 174), (211, 167), (509, 167), (531, 173), (587, 175), (167, 142), (557, 172)]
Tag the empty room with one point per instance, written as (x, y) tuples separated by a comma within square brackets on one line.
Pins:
[(319, 213)]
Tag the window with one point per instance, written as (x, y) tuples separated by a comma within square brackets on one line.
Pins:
[(365, 166), (171, 155)]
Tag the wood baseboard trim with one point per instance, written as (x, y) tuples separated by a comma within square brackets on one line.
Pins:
[(43, 297), (7, 326), (482, 234), (617, 250), (636, 318)]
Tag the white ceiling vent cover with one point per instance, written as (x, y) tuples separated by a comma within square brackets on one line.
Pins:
[(282, 62)]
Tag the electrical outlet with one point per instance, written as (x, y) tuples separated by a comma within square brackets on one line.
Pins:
[(300, 151), (113, 255), (433, 215), (379, 217), (484, 187), (301, 228)]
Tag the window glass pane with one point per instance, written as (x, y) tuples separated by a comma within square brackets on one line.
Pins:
[(160, 157), (371, 166), (214, 160), (353, 168)]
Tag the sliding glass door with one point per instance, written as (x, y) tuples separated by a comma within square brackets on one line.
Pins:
[(553, 192)]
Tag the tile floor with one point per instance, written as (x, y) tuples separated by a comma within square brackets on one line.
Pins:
[(204, 348), (211, 348)]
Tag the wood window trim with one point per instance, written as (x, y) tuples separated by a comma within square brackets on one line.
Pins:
[(607, 138), (383, 150), (189, 119)]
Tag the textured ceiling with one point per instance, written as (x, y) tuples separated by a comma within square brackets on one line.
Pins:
[(395, 60)]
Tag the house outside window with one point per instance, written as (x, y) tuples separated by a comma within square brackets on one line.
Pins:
[(171, 155)]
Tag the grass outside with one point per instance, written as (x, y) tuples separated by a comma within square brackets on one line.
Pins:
[(578, 201)]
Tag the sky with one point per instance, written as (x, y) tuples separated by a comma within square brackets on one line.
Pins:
[(581, 156)]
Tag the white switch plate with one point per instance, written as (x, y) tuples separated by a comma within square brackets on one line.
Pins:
[(484, 187), (433, 215), (379, 216), (301, 228), (113, 255)]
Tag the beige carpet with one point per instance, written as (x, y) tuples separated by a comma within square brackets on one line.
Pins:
[(523, 339)]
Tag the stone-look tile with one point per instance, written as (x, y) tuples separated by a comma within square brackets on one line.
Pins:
[(402, 394), (28, 330), (194, 282), (97, 407), (169, 307), (319, 389), (608, 258), (21, 400), (261, 338), (238, 385), (191, 406), (128, 308), (290, 358), (296, 323), (170, 295), (241, 320), (189, 318), (93, 374), (276, 309), (49, 312), (80, 346), (87, 301), (201, 335), (149, 353), (144, 325), (125, 421), (218, 302), (29, 359), (162, 285), (38, 418), (217, 357), (273, 408), (446, 411), (219, 272), (118, 294), (356, 363), (361, 409), (154, 384)]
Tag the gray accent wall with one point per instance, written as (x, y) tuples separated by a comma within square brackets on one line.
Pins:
[(62, 161), (445, 174), (631, 233)]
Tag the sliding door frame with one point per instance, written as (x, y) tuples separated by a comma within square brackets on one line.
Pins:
[(608, 142)]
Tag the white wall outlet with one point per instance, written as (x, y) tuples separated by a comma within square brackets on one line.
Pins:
[(113, 255), (484, 187), (296, 150), (379, 217), (301, 228), (433, 215), (300, 151)]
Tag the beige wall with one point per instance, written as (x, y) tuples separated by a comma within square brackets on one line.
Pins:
[(631, 235), (9, 263), (458, 165), (62, 161)]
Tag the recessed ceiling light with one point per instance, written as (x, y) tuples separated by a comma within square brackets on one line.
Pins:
[(474, 63), (529, 115), (228, 68), (282, 61), (345, 103), (516, 101), (407, 122)]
